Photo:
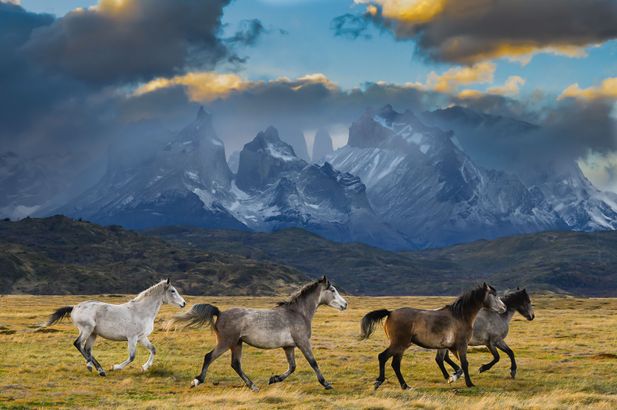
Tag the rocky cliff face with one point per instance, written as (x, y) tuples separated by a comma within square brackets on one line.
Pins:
[(420, 181)]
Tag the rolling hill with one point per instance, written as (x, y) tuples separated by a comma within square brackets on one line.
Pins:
[(564, 262), (58, 255)]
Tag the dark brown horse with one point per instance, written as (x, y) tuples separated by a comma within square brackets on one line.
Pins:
[(447, 328), (490, 329)]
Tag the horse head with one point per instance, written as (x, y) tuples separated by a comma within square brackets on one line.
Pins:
[(525, 307), (171, 295), (491, 300), (329, 295)]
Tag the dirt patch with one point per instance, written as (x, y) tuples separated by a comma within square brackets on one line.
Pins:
[(45, 330), (604, 356)]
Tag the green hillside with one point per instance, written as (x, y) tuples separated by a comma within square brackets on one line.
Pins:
[(60, 256), (564, 262)]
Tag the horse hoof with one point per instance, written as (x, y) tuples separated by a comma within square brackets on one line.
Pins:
[(102, 374), (144, 368), (274, 379), (327, 386), (471, 385), (513, 374), (254, 388), (452, 379), (194, 383), (378, 383), (89, 366), (116, 368), (405, 387)]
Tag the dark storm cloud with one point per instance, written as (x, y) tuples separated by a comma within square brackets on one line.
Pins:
[(26, 90), (133, 40), (350, 26), (248, 33), (468, 31)]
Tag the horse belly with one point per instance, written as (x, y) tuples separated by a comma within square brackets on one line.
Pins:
[(440, 341), (111, 331), (266, 339)]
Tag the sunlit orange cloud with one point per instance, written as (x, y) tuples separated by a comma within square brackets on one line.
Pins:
[(200, 86), (520, 52), (456, 77), (208, 85), (410, 11), (116, 8), (607, 90), (510, 88), (408, 15)]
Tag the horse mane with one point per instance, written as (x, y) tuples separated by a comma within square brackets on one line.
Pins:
[(471, 297), (154, 289), (304, 290), (515, 298)]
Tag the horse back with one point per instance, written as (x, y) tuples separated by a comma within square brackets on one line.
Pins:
[(431, 329)]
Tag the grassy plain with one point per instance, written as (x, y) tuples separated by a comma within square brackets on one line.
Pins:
[(567, 359)]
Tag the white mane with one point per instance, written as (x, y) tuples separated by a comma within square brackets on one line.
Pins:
[(152, 290)]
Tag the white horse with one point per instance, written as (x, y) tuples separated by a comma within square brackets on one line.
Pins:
[(132, 321)]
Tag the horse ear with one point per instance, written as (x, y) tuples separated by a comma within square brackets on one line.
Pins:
[(485, 286), (517, 288), (168, 281), (323, 279)]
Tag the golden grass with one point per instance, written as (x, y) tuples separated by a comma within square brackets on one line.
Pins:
[(566, 358)]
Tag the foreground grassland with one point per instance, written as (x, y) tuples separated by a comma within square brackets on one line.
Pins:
[(566, 357)]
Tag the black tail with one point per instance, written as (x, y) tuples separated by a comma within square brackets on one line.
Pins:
[(199, 315), (369, 320), (58, 315)]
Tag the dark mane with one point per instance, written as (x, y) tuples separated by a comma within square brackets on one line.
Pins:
[(469, 298), (305, 290), (515, 299)]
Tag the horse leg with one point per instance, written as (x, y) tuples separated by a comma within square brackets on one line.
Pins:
[(132, 348), (492, 363), (503, 346), (88, 350), (383, 358), (306, 350), (236, 364), (396, 365), (462, 354), (80, 342), (148, 345), (458, 372), (439, 360), (208, 359), (291, 360)]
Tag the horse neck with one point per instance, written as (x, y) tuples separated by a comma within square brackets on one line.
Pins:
[(470, 310), (509, 313), (150, 304), (308, 305)]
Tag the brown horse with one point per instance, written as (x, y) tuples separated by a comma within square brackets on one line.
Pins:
[(447, 328)]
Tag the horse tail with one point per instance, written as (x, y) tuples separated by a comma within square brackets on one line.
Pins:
[(58, 315), (199, 315), (369, 320)]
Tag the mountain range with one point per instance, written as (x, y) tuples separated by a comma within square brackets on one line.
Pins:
[(403, 181)]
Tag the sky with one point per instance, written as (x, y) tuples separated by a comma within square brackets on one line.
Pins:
[(80, 75)]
